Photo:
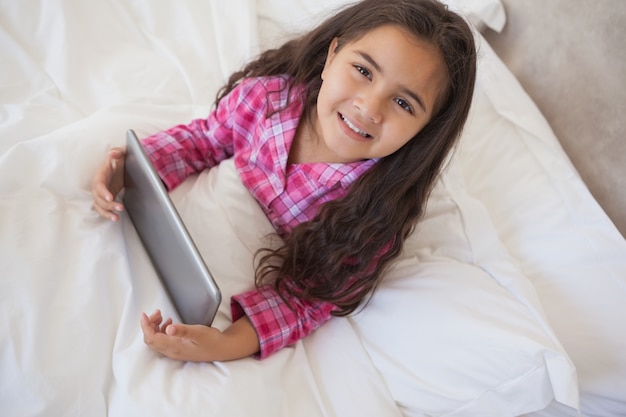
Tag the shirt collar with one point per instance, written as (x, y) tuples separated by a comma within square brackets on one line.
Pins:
[(326, 174), (331, 174)]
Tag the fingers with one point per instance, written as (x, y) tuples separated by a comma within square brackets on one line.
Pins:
[(104, 204), (156, 318), (154, 324), (147, 327), (150, 326), (156, 321), (163, 337), (115, 156), (107, 182)]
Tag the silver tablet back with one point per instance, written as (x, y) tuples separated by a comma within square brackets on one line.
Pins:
[(180, 267)]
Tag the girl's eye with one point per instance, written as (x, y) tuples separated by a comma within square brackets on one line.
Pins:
[(363, 71), (405, 105)]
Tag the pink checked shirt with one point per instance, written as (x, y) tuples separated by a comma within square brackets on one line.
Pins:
[(239, 128)]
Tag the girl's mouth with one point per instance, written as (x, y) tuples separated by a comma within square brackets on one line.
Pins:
[(353, 127)]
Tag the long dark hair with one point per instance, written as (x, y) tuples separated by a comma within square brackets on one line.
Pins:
[(340, 255)]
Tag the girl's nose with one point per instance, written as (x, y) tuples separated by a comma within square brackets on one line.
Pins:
[(370, 107)]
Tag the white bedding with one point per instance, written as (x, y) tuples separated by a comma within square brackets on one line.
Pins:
[(510, 296)]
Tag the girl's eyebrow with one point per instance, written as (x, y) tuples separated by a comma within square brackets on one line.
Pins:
[(405, 90)]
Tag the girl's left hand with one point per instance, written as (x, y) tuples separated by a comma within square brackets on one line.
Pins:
[(178, 341), (198, 343)]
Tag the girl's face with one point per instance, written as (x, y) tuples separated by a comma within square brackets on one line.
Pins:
[(377, 93)]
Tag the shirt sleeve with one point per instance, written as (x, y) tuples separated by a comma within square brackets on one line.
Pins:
[(276, 324), (187, 149)]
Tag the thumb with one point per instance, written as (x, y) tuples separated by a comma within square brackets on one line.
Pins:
[(172, 330), (178, 330)]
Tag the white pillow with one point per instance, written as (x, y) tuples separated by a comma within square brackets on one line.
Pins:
[(278, 19), (482, 13), (455, 329), (558, 234)]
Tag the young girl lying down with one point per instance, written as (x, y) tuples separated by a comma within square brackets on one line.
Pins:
[(339, 134)]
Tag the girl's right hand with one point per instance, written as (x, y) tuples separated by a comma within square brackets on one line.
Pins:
[(107, 183)]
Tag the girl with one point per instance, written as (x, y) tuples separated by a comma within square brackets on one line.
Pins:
[(339, 135)]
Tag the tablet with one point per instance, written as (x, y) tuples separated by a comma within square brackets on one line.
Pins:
[(176, 259)]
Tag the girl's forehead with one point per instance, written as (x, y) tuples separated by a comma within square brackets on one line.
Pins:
[(381, 31), (389, 40)]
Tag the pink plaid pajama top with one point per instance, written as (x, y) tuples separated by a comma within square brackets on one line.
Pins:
[(246, 126)]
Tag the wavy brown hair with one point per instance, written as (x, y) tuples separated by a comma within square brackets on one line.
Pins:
[(339, 256)]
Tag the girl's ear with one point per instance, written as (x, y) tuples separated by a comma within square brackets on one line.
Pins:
[(331, 54)]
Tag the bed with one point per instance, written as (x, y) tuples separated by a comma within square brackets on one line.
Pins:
[(508, 300)]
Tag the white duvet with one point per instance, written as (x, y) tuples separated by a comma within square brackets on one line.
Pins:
[(510, 295)]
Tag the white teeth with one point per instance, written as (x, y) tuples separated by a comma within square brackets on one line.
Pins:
[(353, 127)]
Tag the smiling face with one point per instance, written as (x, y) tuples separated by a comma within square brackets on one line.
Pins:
[(377, 93)]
